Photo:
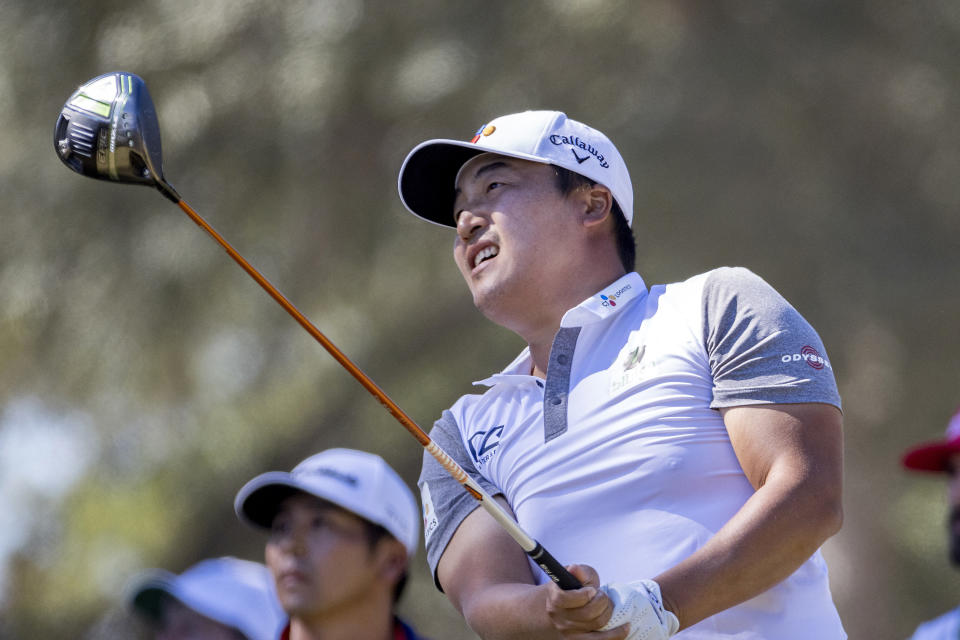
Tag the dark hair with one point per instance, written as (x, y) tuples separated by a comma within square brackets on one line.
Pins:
[(375, 533), (568, 181)]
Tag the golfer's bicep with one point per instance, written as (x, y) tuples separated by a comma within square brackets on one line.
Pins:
[(480, 555)]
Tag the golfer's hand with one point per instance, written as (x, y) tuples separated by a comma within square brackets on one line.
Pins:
[(580, 613), (640, 604)]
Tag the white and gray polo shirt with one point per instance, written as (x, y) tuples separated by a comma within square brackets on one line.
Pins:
[(620, 458)]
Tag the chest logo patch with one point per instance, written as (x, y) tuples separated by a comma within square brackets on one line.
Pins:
[(485, 444), (630, 368), (634, 358)]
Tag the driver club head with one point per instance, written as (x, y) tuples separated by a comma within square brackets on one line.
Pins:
[(108, 129)]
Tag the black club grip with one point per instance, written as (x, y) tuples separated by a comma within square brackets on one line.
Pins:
[(564, 579)]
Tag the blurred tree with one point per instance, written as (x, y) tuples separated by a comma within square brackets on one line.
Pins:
[(145, 377)]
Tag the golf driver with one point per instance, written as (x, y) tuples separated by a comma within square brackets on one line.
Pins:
[(108, 129)]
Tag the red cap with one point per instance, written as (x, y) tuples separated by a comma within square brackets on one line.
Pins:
[(934, 456)]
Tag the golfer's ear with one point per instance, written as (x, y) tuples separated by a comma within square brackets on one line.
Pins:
[(598, 202)]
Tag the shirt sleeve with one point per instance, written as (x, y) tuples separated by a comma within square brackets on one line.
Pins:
[(445, 502), (761, 350)]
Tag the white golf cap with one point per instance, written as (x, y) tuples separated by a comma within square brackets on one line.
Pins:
[(429, 172), (236, 593), (360, 482)]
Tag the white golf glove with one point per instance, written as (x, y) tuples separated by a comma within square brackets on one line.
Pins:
[(639, 603)]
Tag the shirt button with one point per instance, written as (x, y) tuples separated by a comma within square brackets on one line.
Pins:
[(562, 358), (556, 400)]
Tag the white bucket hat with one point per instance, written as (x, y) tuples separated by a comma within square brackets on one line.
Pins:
[(428, 174), (360, 482), (236, 593)]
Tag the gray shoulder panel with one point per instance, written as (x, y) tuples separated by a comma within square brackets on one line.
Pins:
[(450, 502), (761, 350)]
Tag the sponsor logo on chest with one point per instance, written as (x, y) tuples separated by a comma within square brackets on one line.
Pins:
[(632, 366), (484, 445)]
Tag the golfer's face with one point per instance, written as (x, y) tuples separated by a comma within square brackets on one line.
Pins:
[(511, 231), (319, 555)]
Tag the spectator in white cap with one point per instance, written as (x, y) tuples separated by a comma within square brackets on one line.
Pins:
[(342, 528), (682, 443), (942, 457), (216, 599)]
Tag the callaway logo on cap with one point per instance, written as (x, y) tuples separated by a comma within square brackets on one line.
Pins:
[(428, 175)]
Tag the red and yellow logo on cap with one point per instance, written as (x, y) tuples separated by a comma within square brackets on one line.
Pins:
[(483, 131)]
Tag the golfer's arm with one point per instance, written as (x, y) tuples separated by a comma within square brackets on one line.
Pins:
[(486, 576), (793, 457)]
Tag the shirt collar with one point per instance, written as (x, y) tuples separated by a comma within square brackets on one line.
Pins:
[(604, 304), (517, 371), (607, 302)]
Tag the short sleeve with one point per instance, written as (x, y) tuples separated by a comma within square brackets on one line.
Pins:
[(445, 502), (761, 350)]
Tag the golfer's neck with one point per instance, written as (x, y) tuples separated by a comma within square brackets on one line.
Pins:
[(539, 335)]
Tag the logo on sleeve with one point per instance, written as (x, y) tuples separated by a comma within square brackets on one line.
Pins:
[(809, 355), (430, 521), (485, 444)]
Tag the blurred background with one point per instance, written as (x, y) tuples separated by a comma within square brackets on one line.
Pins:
[(145, 377)]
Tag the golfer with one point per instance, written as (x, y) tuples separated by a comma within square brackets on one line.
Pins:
[(679, 446)]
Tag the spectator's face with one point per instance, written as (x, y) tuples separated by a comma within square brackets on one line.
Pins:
[(181, 623), (954, 496), (320, 558)]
